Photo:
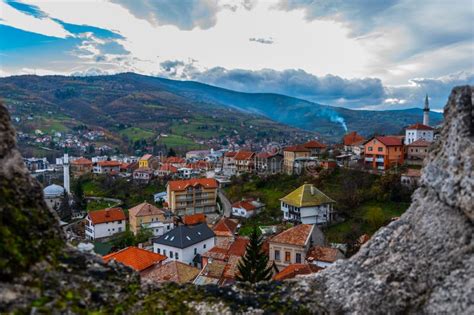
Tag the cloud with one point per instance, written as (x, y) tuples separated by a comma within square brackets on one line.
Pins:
[(262, 40)]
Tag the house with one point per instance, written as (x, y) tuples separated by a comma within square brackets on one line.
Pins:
[(383, 152), (143, 174), (107, 167), (291, 246), (81, 166), (171, 271), (293, 270), (175, 161), (316, 148), (244, 162), (104, 223), (290, 154), (167, 170), (418, 131), (323, 256), (268, 163), (193, 219), (411, 178), (247, 208), (147, 216), (138, 259), (144, 161), (352, 142), (185, 243), (191, 196), (228, 167), (307, 205), (225, 230), (160, 197), (417, 151)]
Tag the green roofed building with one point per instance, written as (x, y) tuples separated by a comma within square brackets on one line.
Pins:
[(307, 205)]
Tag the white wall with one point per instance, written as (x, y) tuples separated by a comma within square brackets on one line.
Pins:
[(241, 212), (411, 135), (185, 255), (104, 229)]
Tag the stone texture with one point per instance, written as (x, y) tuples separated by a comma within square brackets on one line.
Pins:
[(421, 263)]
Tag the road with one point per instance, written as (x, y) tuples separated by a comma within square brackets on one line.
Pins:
[(225, 204)]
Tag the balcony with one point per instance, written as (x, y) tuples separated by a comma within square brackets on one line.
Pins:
[(369, 159), (379, 160)]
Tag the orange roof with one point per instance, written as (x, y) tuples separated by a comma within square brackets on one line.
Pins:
[(244, 205), (144, 209), (390, 140), (180, 185), (168, 168), (352, 138), (296, 148), (146, 157), (81, 161), (243, 155), (194, 218), (313, 144), (230, 154), (326, 254), (238, 247), (420, 143), (136, 258), (106, 215), (293, 270), (297, 235), (175, 159), (225, 227), (420, 127), (172, 271), (109, 163)]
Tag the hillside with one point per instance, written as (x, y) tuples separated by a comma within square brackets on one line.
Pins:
[(131, 106)]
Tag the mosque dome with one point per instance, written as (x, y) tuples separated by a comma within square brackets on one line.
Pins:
[(53, 191)]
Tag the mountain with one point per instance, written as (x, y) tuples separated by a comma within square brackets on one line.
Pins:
[(131, 106)]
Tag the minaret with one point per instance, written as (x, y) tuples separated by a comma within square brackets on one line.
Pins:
[(67, 185), (426, 112)]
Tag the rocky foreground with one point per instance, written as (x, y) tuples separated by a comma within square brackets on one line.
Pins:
[(421, 263)]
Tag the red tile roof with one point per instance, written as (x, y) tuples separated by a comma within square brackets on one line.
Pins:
[(225, 227), (81, 161), (238, 247), (109, 163), (230, 154), (168, 168), (297, 235), (352, 138), (244, 155), (296, 148), (244, 205), (419, 127), (325, 254), (420, 143), (106, 215), (175, 159), (194, 219), (144, 209), (171, 271), (180, 185), (136, 258), (390, 140), (264, 155), (313, 144), (293, 270)]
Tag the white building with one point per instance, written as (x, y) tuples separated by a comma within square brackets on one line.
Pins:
[(307, 205), (246, 208), (418, 131), (185, 243), (105, 223)]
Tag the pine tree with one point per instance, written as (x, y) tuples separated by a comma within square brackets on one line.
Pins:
[(253, 267)]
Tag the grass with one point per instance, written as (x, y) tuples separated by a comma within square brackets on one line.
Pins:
[(174, 141), (93, 205), (135, 133)]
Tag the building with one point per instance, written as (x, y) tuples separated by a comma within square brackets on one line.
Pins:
[(185, 243), (107, 167), (229, 168), (192, 196), (81, 166), (171, 271), (36, 164), (53, 196), (417, 151), (244, 162), (143, 174), (104, 223), (268, 163), (417, 132), (175, 161), (225, 230), (316, 148), (411, 178), (138, 259), (323, 256), (290, 246), (167, 170), (307, 205), (293, 270), (382, 153), (144, 161), (247, 208), (352, 141), (290, 154), (147, 216)]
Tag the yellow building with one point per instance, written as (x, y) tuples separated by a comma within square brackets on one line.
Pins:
[(144, 161), (290, 154), (143, 215), (192, 196)]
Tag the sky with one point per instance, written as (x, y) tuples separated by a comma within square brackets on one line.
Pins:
[(361, 54)]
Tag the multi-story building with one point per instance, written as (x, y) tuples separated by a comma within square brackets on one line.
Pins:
[(107, 167), (315, 147), (382, 153), (144, 161), (192, 196), (228, 167), (81, 166), (104, 223), (36, 164), (244, 162), (143, 174), (268, 163), (291, 246), (418, 131), (352, 142), (307, 205), (147, 216), (417, 151), (292, 153)]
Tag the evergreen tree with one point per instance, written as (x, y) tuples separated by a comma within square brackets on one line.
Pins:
[(253, 267), (80, 202), (64, 210), (171, 152)]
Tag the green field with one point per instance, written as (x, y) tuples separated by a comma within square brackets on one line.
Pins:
[(174, 141), (93, 205), (135, 133)]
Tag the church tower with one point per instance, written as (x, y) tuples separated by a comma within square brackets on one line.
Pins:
[(426, 112)]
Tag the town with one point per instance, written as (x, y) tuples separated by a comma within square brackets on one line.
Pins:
[(195, 218)]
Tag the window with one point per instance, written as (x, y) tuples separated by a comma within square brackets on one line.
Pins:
[(298, 258), (168, 226), (176, 256), (164, 252), (277, 255), (370, 148), (287, 256), (204, 246), (120, 229), (195, 251), (158, 250), (171, 254), (380, 149)]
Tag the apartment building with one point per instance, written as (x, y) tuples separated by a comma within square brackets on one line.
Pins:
[(192, 196)]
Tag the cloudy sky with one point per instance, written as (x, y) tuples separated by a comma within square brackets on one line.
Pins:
[(358, 54)]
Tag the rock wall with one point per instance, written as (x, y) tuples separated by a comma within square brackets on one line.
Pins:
[(421, 263)]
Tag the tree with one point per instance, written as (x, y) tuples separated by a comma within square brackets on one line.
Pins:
[(64, 210), (80, 202), (171, 152), (254, 265)]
